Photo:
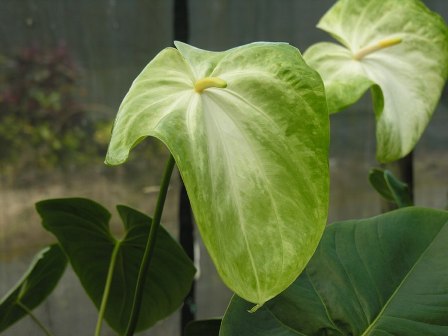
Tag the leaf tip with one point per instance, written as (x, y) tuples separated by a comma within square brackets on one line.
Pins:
[(115, 160), (256, 307)]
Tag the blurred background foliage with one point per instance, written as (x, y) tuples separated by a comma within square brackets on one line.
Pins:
[(44, 120), (47, 124)]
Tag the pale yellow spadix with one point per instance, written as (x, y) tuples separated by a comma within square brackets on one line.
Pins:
[(386, 43), (208, 82)]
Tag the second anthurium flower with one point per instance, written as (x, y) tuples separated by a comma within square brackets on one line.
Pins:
[(398, 50), (249, 131)]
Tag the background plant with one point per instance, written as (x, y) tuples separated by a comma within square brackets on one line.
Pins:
[(43, 122)]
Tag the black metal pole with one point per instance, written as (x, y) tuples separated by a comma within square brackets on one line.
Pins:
[(187, 241), (406, 169), (186, 230), (181, 22)]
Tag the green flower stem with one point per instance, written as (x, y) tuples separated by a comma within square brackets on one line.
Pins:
[(34, 318), (149, 247), (105, 297)]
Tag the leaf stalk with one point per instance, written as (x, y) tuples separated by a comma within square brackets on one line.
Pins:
[(34, 318), (149, 249), (105, 297)]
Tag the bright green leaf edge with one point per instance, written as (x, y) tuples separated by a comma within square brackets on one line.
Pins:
[(253, 155), (384, 275), (35, 286), (82, 228)]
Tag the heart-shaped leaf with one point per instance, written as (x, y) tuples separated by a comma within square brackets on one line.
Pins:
[(400, 50), (35, 286), (248, 129), (82, 228), (385, 275)]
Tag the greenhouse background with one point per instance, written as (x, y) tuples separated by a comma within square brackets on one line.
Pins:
[(65, 67)]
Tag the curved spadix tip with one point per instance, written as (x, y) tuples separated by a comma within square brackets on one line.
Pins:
[(209, 82)]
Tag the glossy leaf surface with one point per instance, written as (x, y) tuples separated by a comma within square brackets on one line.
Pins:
[(251, 149), (82, 228), (386, 275), (405, 65), (35, 286)]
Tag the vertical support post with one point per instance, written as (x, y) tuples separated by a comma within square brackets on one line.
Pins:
[(187, 241), (181, 21), (186, 230)]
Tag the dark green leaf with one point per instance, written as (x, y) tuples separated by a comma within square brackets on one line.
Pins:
[(35, 286), (378, 182), (400, 190), (385, 275), (388, 186), (203, 328), (82, 228)]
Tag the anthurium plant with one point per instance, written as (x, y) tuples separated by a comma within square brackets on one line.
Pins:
[(248, 129)]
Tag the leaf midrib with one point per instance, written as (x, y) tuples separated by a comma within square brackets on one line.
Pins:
[(371, 327), (236, 196), (261, 172)]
